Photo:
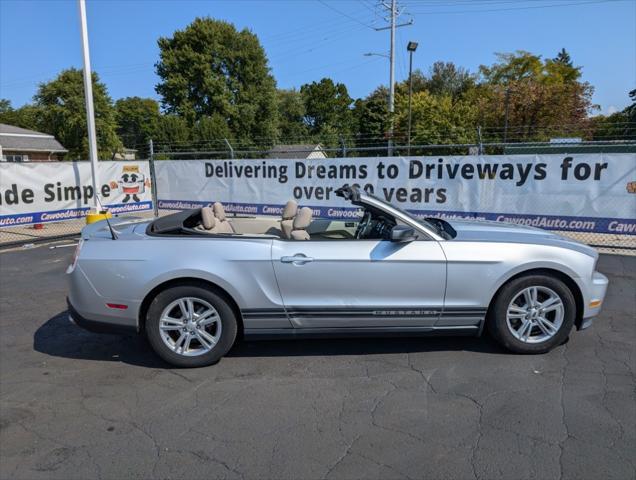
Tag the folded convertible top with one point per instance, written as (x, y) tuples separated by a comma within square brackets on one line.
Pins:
[(176, 222)]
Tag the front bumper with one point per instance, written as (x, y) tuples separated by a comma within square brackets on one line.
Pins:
[(96, 326)]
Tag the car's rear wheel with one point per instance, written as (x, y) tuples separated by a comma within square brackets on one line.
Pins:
[(190, 326), (532, 314)]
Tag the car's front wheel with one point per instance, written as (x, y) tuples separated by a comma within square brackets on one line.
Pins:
[(532, 314), (190, 326)]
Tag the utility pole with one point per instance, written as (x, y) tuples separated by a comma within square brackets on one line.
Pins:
[(88, 97), (393, 15)]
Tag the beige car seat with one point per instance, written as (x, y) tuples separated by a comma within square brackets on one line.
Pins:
[(287, 222), (223, 225), (208, 222), (301, 221)]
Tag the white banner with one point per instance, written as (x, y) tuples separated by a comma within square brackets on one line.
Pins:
[(39, 192), (577, 192)]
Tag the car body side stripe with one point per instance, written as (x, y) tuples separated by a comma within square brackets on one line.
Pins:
[(377, 312)]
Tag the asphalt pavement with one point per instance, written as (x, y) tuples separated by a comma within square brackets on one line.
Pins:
[(79, 405)]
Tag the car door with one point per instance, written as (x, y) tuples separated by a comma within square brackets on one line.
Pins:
[(360, 283)]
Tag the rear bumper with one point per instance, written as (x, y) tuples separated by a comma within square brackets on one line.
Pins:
[(89, 305), (95, 325)]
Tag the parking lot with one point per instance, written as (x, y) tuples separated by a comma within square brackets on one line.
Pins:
[(81, 405)]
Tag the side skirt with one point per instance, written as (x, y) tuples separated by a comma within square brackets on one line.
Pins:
[(356, 332), (363, 319)]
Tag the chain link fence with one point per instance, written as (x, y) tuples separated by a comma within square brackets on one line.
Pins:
[(17, 235)]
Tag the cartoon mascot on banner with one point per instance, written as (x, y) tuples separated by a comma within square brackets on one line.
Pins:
[(131, 183)]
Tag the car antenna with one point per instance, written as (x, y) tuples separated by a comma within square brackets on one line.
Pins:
[(110, 227)]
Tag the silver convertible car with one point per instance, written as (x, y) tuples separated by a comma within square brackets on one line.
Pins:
[(195, 281)]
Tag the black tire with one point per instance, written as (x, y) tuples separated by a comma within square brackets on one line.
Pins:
[(497, 315), (200, 291)]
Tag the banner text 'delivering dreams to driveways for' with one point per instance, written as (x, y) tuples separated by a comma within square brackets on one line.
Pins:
[(586, 192)]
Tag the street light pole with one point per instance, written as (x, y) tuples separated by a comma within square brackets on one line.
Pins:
[(88, 97), (411, 47)]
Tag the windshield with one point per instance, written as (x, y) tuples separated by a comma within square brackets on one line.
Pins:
[(421, 221)]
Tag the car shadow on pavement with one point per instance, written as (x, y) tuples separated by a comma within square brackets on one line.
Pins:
[(60, 338), (364, 346)]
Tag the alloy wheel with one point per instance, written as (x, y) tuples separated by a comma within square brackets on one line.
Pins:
[(535, 314), (190, 326)]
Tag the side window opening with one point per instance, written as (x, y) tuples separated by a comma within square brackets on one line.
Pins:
[(371, 225)]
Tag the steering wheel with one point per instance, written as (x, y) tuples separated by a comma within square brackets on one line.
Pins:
[(363, 225)]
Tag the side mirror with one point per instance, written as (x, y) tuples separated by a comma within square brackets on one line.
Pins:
[(402, 233)]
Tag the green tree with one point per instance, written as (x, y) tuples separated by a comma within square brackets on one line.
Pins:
[(211, 69), (631, 109), (28, 116), (291, 116), (137, 120), (446, 79), (437, 119), (420, 83), (328, 113), (512, 67), (208, 134), (173, 134), (563, 57), (372, 120), (63, 114), (5, 106), (542, 98), (617, 126), (212, 128), (611, 127)]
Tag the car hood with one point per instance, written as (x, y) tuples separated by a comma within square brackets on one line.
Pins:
[(489, 231)]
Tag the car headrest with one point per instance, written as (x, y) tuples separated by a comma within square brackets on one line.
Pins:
[(207, 218), (303, 218), (219, 211), (290, 210)]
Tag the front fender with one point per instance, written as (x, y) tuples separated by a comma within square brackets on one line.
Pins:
[(477, 270)]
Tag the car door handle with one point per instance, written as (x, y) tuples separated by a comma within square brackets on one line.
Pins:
[(298, 259)]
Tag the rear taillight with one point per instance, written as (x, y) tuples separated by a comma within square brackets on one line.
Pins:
[(76, 255), (117, 306)]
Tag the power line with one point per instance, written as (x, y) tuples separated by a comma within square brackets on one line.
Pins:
[(368, 7), (300, 50), (305, 33), (532, 7), (350, 67), (322, 2)]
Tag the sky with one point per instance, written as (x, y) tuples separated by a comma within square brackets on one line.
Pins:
[(306, 40)]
